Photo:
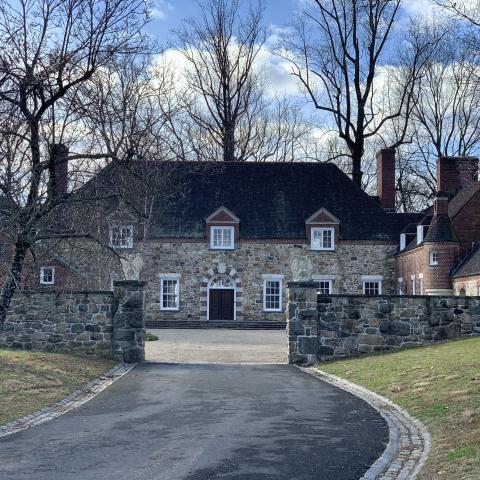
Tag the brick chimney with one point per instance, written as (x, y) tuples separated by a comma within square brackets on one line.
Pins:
[(59, 152), (440, 204), (386, 178), (455, 173)]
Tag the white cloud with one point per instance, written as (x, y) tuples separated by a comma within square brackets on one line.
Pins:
[(159, 9)]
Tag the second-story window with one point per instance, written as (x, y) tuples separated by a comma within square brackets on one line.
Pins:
[(222, 238), (47, 275), (322, 238), (121, 236), (433, 258)]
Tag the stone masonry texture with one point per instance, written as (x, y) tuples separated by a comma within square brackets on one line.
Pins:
[(196, 264), (92, 322), (338, 326)]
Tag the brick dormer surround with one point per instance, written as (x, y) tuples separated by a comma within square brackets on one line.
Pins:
[(223, 217), (324, 219)]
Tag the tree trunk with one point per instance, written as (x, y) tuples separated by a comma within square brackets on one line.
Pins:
[(13, 278), (357, 174), (229, 144)]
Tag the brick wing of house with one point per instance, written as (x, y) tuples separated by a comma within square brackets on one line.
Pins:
[(439, 255)]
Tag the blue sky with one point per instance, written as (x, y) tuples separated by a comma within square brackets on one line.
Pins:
[(168, 14)]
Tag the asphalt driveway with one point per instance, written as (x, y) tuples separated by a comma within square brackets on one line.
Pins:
[(202, 422)]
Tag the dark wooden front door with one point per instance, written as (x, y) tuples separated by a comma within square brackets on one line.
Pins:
[(221, 304)]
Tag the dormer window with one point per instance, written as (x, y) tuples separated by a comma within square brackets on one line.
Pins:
[(121, 236), (322, 238), (419, 234), (222, 238), (47, 275), (403, 241)]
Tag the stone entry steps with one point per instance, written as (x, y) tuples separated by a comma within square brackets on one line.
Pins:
[(235, 325)]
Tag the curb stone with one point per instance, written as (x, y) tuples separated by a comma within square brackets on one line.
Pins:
[(409, 440), (72, 401)]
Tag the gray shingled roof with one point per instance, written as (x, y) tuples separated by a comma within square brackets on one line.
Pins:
[(470, 265), (272, 200)]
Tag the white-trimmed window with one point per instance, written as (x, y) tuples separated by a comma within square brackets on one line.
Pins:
[(419, 234), (414, 285), (433, 258), (403, 241), (222, 238), (272, 293), (372, 284), (169, 291), (47, 275), (325, 287), (121, 236), (322, 238), (401, 286), (324, 284), (420, 284)]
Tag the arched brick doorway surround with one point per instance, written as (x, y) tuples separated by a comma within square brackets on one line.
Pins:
[(204, 291)]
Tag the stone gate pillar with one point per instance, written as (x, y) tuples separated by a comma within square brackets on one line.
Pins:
[(128, 338), (302, 322)]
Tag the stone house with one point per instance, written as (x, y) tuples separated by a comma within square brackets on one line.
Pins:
[(223, 242)]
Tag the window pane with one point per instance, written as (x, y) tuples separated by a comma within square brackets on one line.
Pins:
[(372, 288), (272, 295), (327, 239), (324, 287), (170, 293)]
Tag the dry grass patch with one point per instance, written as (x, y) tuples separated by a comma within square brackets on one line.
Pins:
[(440, 385), (33, 380)]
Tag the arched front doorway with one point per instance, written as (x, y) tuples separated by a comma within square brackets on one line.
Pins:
[(221, 298)]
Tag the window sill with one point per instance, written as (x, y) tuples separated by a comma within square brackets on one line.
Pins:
[(169, 309)]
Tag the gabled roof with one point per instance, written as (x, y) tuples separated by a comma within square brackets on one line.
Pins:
[(469, 265)]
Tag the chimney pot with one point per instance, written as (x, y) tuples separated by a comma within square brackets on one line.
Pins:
[(386, 178)]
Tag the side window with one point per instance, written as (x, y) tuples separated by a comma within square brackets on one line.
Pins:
[(272, 294), (169, 292)]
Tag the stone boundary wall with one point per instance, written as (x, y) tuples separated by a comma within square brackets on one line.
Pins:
[(108, 324), (324, 328)]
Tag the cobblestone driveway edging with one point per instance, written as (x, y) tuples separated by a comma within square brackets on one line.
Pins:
[(74, 400), (409, 440)]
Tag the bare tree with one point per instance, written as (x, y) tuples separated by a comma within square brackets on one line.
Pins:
[(337, 51), (48, 49), (220, 48), (445, 119)]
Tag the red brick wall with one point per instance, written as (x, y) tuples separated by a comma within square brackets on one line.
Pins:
[(417, 260), (386, 178), (454, 173), (467, 223)]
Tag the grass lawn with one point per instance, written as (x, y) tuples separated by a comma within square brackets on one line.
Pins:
[(440, 385), (33, 380)]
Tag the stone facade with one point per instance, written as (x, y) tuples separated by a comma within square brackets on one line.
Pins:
[(89, 322), (345, 325), (246, 264)]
